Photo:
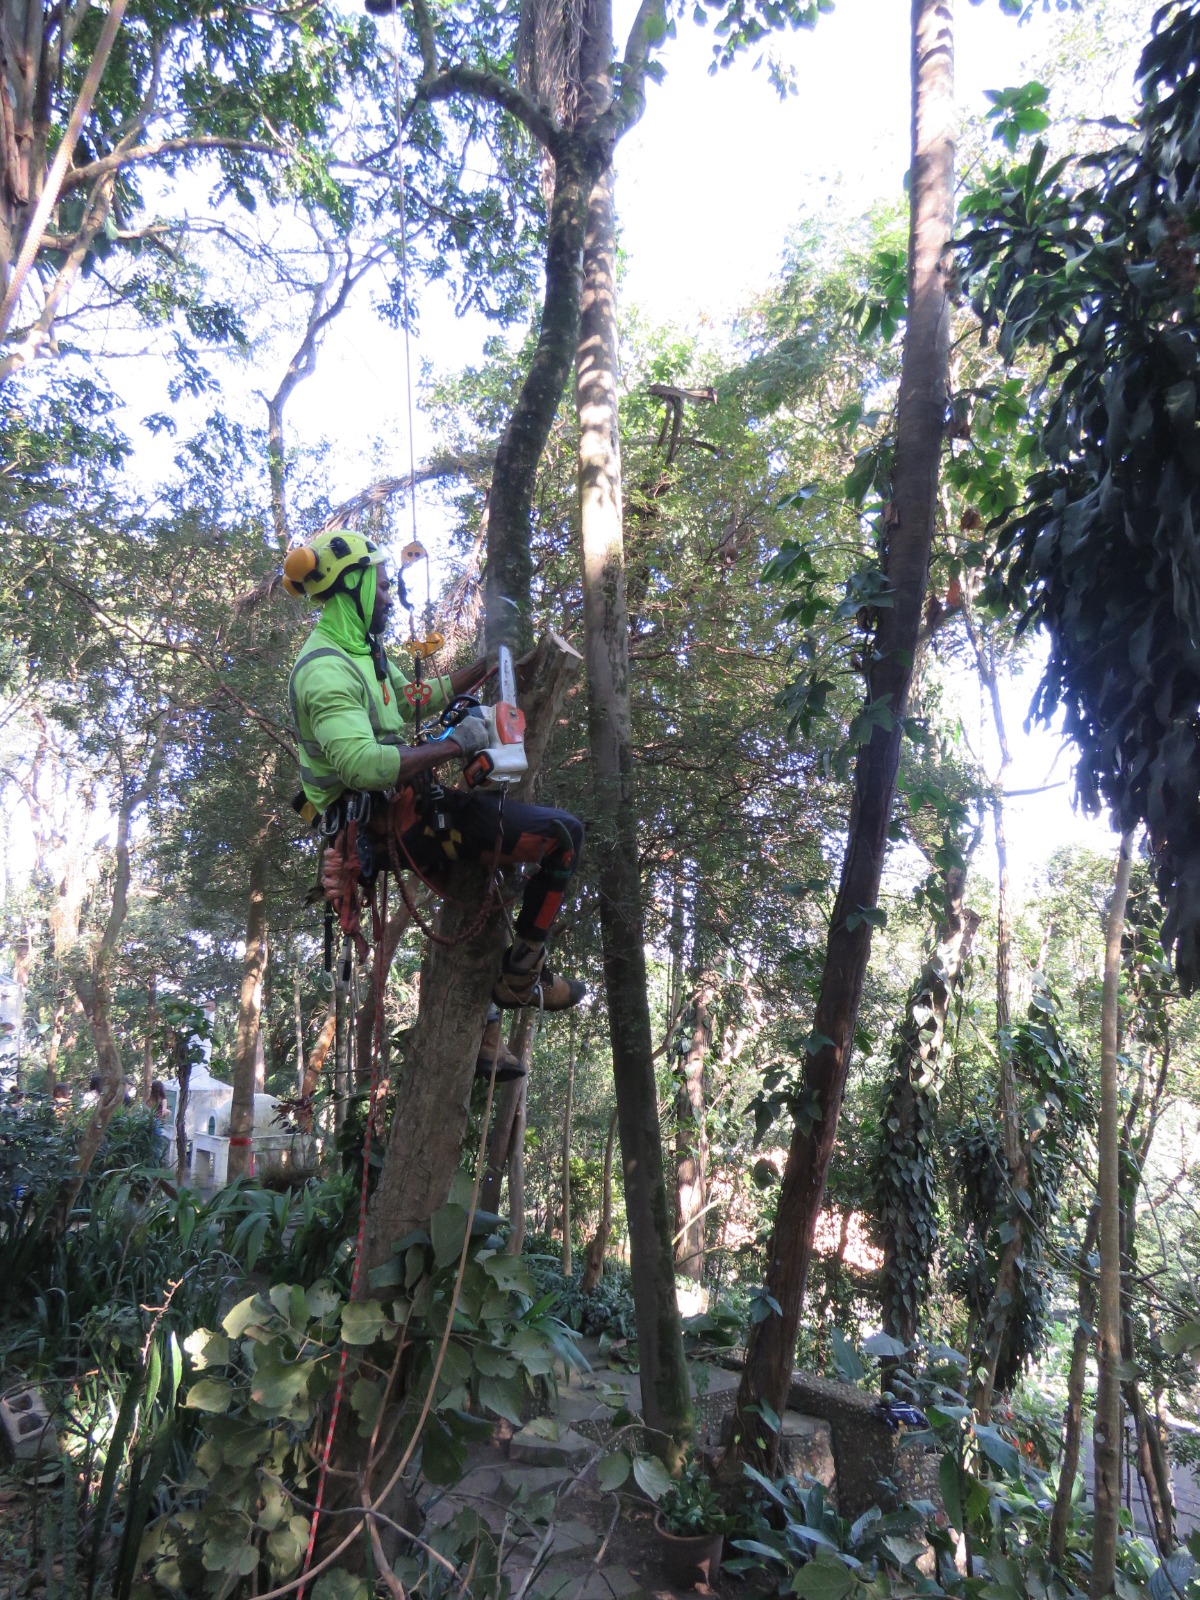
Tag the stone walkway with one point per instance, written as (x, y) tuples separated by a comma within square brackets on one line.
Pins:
[(562, 1537)]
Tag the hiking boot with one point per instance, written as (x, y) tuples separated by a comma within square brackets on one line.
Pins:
[(508, 1066), (525, 980)]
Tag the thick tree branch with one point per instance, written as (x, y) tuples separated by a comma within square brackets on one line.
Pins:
[(104, 165), (380, 492), (489, 86), (630, 102), (426, 42)]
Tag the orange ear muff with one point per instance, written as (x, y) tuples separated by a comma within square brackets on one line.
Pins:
[(298, 565)]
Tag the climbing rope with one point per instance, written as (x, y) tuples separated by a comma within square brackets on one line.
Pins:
[(493, 897), (379, 978), (379, 895), (404, 300)]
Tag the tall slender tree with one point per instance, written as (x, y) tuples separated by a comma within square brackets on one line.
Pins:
[(666, 1399), (1106, 1429), (906, 541)]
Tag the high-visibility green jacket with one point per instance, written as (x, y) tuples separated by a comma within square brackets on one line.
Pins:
[(347, 731)]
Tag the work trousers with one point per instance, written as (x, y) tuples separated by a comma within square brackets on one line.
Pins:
[(480, 825)]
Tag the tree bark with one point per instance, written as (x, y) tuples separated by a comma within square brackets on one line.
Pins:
[(910, 1231), (509, 576), (254, 966), (505, 1108), (909, 523), (54, 1042), (597, 1246), (516, 1172), (183, 1077), (666, 1399), (148, 1042), (316, 1060), (691, 1142), (92, 977), (394, 928), (1106, 1429), (341, 1056), (298, 1024), (1153, 1466), (1076, 1380)]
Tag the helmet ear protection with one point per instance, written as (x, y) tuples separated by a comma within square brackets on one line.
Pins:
[(298, 564), (319, 569)]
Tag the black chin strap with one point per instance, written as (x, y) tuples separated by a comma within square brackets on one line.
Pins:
[(378, 655)]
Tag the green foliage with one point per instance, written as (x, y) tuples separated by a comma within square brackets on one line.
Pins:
[(794, 1533), (38, 1139), (606, 1309), (992, 1494), (1055, 1104), (1097, 265), (259, 1381), (691, 1504)]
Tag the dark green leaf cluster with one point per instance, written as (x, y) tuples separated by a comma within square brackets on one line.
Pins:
[(1099, 267), (1056, 1109)]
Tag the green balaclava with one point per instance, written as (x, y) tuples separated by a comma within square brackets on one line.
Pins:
[(346, 615)]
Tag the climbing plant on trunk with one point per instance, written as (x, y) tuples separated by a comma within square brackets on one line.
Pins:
[(905, 1183)]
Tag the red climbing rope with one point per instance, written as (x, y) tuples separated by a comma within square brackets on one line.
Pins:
[(379, 896)]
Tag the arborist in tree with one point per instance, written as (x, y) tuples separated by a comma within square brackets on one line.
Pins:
[(348, 702)]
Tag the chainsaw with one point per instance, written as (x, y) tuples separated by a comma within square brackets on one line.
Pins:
[(503, 761)]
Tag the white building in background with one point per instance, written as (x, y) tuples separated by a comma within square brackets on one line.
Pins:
[(275, 1147), (11, 998)]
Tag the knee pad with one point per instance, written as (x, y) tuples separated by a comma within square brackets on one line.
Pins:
[(567, 844)]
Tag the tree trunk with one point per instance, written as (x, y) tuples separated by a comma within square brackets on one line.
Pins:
[(568, 1264), (906, 1205), (1106, 1430), (516, 1171), (341, 1056), (396, 923), (691, 1142), (506, 1105), (597, 1247), (1153, 1466), (54, 1042), (254, 965), (666, 1400), (1076, 1380), (909, 523), (509, 574), (92, 979), (1016, 1156), (183, 1077), (148, 1042), (298, 1025), (316, 1060), (425, 1140)]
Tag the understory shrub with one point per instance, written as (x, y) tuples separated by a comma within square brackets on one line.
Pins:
[(606, 1309)]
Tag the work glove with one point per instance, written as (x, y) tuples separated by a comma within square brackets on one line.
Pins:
[(472, 735)]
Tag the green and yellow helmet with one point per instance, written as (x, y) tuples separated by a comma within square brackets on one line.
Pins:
[(319, 569)]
